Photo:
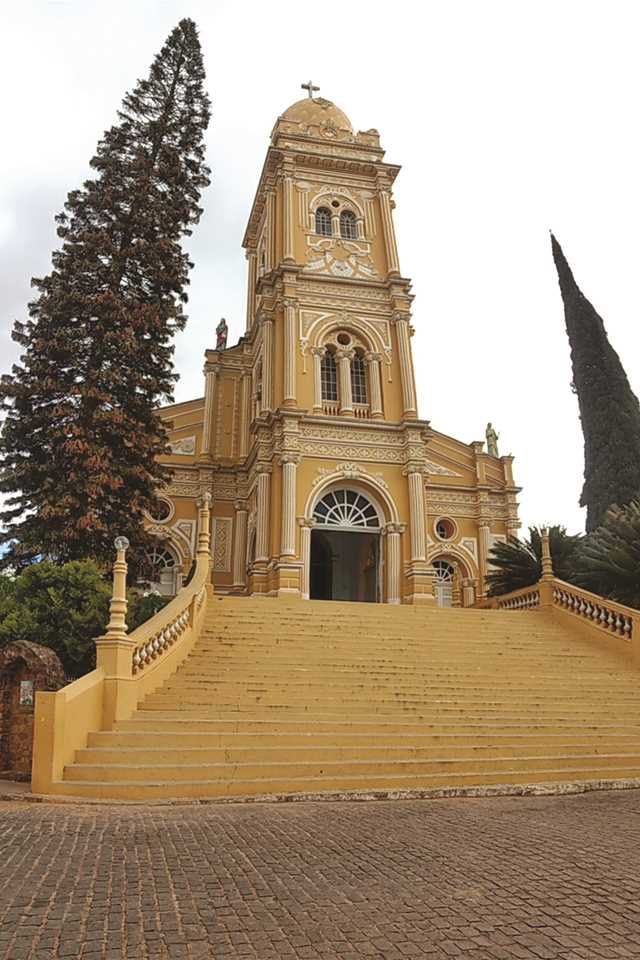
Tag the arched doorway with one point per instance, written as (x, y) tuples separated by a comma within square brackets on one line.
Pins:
[(345, 562), (443, 582), (162, 571)]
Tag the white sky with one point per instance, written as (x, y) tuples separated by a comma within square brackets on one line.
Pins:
[(509, 118)]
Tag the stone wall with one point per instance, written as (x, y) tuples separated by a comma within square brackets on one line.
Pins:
[(25, 668)]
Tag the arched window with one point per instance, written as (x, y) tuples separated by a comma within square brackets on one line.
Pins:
[(329, 377), (161, 571), (323, 221), (443, 582), (346, 508), (358, 380), (348, 230)]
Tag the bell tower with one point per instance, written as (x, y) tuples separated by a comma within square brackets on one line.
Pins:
[(324, 274)]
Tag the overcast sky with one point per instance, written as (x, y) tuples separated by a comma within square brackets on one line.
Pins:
[(509, 119)]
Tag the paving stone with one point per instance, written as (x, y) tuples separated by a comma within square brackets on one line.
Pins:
[(536, 878)]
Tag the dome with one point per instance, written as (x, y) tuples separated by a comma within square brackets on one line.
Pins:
[(317, 111)]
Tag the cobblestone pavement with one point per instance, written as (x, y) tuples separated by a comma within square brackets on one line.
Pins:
[(539, 877)]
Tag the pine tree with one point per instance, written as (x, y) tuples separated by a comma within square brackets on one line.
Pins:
[(609, 409), (82, 434)]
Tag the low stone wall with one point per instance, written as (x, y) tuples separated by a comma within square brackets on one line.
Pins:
[(25, 668)]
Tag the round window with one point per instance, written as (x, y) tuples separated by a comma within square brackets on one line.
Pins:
[(343, 339), (334, 203), (162, 510), (445, 528)]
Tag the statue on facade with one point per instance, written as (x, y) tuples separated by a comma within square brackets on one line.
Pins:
[(492, 441), (222, 332)]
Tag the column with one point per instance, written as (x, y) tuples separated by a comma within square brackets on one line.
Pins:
[(207, 427), (290, 398), (271, 229), (484, 545), (245, 414), (468, 592), (417, 513), (287, 203), (375, 387), (344, 358), (252, 259), (263, 513), (306, 526), (401, 323), (389, 232), (317, 353), (267, 363), (360, 228), (240, 544), (289, 463), (393, 532)]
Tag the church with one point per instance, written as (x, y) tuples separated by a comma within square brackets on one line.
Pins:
[(325, 482)]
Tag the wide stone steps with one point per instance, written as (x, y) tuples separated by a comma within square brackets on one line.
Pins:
[(281, 697)]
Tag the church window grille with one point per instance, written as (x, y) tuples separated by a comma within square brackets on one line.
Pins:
[(323, 222), (348, 229), (329, 377), (346, 508), (160, 559), (358, 380), (443, 582)]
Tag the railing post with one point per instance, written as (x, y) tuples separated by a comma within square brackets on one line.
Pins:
[(204, 524), (114, 650), (635, 638), (546, 583)]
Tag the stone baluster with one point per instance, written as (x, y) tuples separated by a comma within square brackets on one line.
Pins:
[(240, 543), (344, 358), (375, 386), (317, 353), (289, 463)]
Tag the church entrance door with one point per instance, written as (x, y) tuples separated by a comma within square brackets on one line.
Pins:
[(345, 566), (345, 561)]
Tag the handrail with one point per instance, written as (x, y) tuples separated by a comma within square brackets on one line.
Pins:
[(525, 598), (128, 666), (607, 615)]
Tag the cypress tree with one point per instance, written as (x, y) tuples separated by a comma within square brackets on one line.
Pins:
[(82, 434), (609, 409)]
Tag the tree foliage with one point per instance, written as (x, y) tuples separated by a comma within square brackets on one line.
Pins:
[(518, 562), (609, 410), (609, 561), (65, 608), (82, 434)]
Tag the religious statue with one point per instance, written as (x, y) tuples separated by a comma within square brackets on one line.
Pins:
[(222, 332), (492, 441)]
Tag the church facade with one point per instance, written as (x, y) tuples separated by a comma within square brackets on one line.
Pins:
[(325, 482)]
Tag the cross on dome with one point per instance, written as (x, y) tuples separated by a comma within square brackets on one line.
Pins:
[(310, 88)]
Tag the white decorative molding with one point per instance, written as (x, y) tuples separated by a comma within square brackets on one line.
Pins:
[(349, 471), (435, 468), (186, 447), (222, 527)]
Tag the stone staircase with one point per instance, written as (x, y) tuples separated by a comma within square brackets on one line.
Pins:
[(282, 697)]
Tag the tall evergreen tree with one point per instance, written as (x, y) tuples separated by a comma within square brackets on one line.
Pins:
[(609, 409), (82, 434)]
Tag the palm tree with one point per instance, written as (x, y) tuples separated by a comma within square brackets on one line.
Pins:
[(609, 558), (518, 563)]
